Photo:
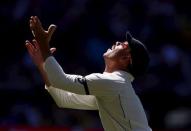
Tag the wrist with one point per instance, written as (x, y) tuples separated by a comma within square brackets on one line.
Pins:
[(40, 66), (45, 52), (45, 55)]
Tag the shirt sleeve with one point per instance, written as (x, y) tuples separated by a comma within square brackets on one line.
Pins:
[(59, 79), (95, 84), (67, 99)]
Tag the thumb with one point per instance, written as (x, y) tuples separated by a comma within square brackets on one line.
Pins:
[(52, 50), (51, 30)]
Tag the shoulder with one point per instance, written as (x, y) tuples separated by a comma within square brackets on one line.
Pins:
[(102, 78), (95, 76), (100, 83), (99, 76)]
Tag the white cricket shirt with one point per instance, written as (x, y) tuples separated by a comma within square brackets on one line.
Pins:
[(110, 93)]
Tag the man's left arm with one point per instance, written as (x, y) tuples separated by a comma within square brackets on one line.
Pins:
[(95, 84), (59, 79), (65, 99)]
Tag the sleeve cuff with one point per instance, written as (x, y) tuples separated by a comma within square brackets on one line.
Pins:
[(48, 60), (47, 87), (50, 64)]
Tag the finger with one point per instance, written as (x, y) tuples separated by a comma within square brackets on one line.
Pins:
[(35, 24), (38, 23), (52, 50), (37, 20), (32, 26), (29, 47), (51, 30), (32, 21), (36, 45), (32, 30), (32, 47), (29, 44), (32, 17)]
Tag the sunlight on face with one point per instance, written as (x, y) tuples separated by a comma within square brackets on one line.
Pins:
[(115, 49)]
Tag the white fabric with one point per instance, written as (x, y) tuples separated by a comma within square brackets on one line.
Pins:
[(67, 99), (119, 107)]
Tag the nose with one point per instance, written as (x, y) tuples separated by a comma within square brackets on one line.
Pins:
[(126, 43), (118, 43)]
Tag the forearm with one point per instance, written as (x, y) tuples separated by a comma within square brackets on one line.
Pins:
[(65, 99), (43, 75), (45, 50), (59, 79)]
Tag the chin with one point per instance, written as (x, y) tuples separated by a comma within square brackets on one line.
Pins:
[(106, 54)]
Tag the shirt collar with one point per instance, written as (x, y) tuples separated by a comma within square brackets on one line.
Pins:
[(123, 74)]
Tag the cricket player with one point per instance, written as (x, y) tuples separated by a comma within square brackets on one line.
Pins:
[(110, 92)]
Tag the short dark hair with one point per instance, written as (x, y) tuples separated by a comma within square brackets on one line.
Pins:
[(140, 56)]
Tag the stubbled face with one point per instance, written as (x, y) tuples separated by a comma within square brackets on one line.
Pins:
[(118, 50)]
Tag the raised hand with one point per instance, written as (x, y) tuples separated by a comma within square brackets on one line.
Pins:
[(42, 36), (35, 52)]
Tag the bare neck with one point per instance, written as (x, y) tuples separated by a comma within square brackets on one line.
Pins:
[(111, 67)]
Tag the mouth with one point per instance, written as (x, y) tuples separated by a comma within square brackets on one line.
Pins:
[(113, 47)]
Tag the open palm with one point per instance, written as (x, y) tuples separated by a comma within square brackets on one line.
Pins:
[(40, 34), (35, 52)]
